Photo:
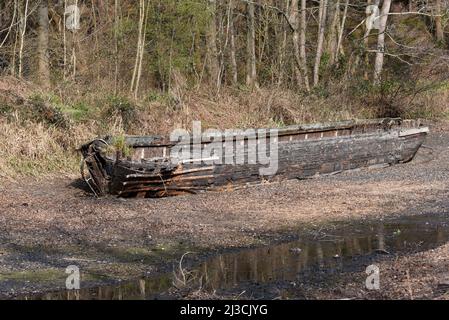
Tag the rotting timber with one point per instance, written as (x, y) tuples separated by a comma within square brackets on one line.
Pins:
[(303, 151)]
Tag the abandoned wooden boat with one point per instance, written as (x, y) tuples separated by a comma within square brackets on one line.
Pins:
[(145, 166)]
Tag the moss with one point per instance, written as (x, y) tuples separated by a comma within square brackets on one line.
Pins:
[(124, 263), (35, 275), (146, 255)]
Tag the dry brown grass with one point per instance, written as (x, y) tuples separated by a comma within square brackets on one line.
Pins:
[(268, 107), (33, 149), (28, 146)]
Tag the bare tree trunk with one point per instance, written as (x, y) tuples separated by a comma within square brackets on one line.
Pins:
[(282, 47), (319, 50), (251, 76), (64, 39), (42, 44), (439, 32), (366, 44), (23, 27), (16, 39), (74, 37), (294, 22), (332, 41), (13, 20), (140, 40), (302, 41), (212, 52), (264, 20), (74, 44), (341, 31), (378, 65), (232, 40), (94, 18), (142, 50), (116, 25), (224, 21)]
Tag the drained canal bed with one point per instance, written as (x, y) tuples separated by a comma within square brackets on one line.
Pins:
[(318, 258)]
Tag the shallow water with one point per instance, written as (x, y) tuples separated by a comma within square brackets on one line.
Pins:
[(315, 253)]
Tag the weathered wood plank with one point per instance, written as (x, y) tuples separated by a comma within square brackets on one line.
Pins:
[(303, 152)]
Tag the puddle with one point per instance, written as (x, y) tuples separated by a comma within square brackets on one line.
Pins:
[(317, 252)]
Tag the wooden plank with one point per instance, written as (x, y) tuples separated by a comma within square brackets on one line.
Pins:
[(303, 152)]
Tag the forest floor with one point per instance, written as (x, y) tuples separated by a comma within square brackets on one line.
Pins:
[(49, 224)]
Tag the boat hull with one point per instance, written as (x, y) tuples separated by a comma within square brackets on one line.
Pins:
[(301, 153)]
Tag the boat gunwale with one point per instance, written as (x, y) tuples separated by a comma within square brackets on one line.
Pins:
[(404, 133), (148, 141)]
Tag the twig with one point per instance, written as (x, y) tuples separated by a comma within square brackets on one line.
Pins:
[(409, 285)]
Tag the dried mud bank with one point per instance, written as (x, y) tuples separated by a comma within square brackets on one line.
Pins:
[(47, 225), (417, 276)]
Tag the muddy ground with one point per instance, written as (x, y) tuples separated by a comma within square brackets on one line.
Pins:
[(48, 224), (422, 275)]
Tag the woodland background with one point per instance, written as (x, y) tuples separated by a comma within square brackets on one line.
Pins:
[(149, 66)]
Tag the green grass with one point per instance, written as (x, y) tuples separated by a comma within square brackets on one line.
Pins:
[(40, 275), (153, 254), (78, 112)]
